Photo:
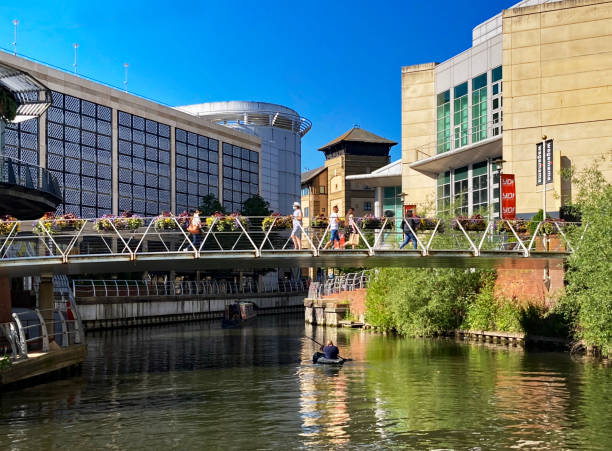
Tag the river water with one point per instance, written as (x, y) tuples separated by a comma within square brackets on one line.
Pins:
[(197, 386)]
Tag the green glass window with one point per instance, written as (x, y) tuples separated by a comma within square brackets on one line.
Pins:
[(480, 189), (443, 194), (461, 191), (479, 108), (460, 115), (443, 122)]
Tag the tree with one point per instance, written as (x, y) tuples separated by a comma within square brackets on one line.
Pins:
[(256, 206), (588, 299), (211, 205)]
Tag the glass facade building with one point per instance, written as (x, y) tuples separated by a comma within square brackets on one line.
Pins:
[(197, 168), (79, 150), (112, 152), (240, 176)]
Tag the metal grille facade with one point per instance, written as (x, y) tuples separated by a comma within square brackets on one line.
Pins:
[(79, 154), (240, 176), (21, 141), (197, 169), (144, 165)]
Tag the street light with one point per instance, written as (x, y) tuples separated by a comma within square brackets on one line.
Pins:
[(498, 164), (15, 22)]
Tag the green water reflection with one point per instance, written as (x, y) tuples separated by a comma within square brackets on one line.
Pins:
[(196, 386)]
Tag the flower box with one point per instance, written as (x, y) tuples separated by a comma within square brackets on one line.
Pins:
[(281, 223), (127, 221), (53, 224), (7, 225)]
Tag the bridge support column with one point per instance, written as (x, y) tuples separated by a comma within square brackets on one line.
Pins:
[(46, 303), (5, 299)]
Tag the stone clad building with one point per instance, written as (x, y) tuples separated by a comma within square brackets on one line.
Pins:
[(536, 69), (355, 152)]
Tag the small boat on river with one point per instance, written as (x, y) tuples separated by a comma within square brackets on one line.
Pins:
[(238, 314), (319, 358)]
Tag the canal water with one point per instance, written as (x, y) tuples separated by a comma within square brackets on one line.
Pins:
[(197, 386)]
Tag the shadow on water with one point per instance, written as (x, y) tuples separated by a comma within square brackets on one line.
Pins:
[(195, 385)]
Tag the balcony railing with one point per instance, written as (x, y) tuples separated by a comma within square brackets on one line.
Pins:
[(26, 175), (458, 137)]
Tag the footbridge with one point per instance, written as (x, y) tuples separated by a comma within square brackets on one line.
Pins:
[(66, 245)]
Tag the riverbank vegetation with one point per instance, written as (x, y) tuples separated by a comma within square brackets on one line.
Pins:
[(430, 301)]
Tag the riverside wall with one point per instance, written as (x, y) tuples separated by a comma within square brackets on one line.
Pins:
[(112, 312)]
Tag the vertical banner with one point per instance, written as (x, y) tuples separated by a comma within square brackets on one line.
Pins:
[(548, 161), (508, 197), (539, 164)]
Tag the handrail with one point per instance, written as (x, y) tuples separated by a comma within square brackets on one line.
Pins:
[(27, 175), (124, 288)]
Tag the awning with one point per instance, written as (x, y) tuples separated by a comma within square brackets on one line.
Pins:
[(480, 151), (32, 97)]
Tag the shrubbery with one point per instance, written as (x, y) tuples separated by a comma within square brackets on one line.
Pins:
[(422, 301)]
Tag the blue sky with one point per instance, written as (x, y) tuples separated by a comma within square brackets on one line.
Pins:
[(337, 63)]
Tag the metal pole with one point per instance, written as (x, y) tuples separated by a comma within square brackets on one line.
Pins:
[(76, 46), (544, 178), (15, 22)]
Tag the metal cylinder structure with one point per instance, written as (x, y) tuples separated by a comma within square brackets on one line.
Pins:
[(281, 130)]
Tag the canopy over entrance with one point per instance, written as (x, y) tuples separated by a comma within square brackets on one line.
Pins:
[(32, 97)]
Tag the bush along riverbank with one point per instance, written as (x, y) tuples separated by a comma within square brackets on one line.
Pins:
[(426, 302)]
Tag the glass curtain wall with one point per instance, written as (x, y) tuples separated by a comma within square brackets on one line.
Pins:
[(461, 191), (197, 169), (444, 193), (480, 191), (479, 108), (392, 201), (79, 154), (460, 115), (240, 176), (144, 165), (468, 188), (443, 122), (21, 141)]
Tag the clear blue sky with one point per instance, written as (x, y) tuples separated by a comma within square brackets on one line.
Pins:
[(337, 63)]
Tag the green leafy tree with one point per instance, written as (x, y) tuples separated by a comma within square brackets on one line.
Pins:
[(588, 299), (211, 205), (256, 206)]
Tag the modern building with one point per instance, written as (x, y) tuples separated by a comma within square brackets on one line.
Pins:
[(112, 151), (281, 130), (386, 182), (539, 68), (356, 152)]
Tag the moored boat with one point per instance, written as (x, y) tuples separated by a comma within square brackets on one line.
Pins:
[(238, 314)]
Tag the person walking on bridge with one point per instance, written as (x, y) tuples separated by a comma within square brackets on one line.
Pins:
[(408, 232), (334, 229), (296, 231)]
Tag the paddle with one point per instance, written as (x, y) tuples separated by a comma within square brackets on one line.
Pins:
[(310, 338)]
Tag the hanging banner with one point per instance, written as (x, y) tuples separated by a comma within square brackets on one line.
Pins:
[(508, 196), (539, 164), (548, 160)]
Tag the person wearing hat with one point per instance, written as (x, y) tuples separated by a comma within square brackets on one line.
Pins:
[(296, 233)]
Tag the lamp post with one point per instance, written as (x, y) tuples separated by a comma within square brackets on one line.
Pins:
[(498, 165), (125, 80), (76, 46)]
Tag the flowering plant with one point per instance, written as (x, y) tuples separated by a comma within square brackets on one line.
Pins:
[(320, 222), (127, 221), (231, 223), (53, 223), (474, 223), (372, 222), (7, 225), (519, 226), (427, 223), (282, 222)]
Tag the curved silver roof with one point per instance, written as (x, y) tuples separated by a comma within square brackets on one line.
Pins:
[(33, 98), (250, 113)]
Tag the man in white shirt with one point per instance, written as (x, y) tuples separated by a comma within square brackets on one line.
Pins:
[(296, 233), (334, 226)]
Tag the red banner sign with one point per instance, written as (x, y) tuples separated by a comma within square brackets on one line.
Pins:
[(508, 197)]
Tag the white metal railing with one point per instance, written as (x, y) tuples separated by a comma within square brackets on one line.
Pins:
[(30, 331), (66, 241), (212, 287), (343, 282)]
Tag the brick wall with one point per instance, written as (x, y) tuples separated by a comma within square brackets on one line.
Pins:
[(527, 285)]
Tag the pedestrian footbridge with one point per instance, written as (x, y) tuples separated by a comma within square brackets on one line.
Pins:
[(55, 245)]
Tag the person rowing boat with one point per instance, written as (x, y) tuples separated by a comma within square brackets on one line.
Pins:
[(329, 355)]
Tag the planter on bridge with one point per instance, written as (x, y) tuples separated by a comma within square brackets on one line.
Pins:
[(7, 225), (56, 224), (127, 221)]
